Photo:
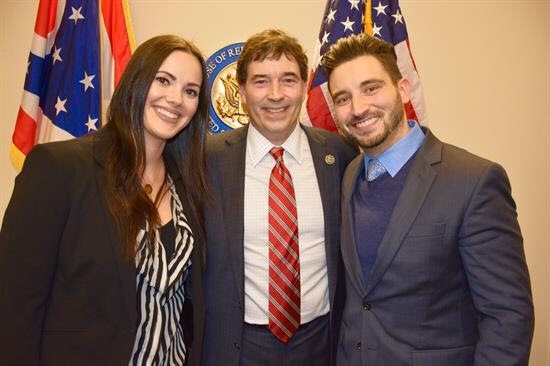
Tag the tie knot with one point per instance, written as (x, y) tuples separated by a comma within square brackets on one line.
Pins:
[(277, 153), (374, 169)]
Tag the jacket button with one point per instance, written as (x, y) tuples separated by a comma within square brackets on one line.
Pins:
[(367, 306), (358, 346), (236, 345)]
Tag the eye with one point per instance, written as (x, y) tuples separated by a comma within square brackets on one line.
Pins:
[(290, 81), (342, 100), (194, 93), (162, 80), (259, 82), (371, 89)]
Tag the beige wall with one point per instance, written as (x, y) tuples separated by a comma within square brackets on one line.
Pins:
[(485, 67)]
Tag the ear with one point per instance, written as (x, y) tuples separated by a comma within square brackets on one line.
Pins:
[(304, 90), (404, 87), (243, 93)]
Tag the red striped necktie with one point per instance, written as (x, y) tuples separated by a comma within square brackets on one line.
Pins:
[(284, 263)]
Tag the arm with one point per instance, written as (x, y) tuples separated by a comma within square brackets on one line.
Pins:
[(491, 247), (31, 231)]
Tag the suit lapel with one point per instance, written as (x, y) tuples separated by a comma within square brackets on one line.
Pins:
[(415, 190), (327, 174), (126, 270), (232, 164), (349, 247)]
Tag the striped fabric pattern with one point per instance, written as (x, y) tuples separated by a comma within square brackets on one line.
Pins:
[(78, 53), (284, 260), (161, 294)]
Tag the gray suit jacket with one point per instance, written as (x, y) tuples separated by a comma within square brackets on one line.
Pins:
[(224, 278), (450, 284)]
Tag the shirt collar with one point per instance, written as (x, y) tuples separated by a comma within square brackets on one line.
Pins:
[(258, 146), (396, 156)]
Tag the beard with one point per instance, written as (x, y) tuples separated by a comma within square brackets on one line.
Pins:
[(394, 118)]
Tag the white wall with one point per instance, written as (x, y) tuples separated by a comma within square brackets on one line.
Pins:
[(485, 67)]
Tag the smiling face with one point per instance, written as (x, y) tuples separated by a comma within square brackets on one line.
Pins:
[(172, 99), (368, 106), (273, 94)]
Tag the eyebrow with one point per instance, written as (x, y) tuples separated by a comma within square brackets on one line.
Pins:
[(339, 93), (289, 73), (361, 85), (171, 76), (194, 85), (372, 81), (167, 74)]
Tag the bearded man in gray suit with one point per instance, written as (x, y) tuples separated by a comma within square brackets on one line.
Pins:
[(242, 324), (432, 250)]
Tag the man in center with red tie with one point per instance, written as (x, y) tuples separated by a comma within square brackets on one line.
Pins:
[(272, 256)]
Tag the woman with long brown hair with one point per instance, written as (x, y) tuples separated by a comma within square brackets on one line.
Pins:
[(101, 244)]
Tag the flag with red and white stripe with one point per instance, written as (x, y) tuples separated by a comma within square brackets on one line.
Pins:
[(78, 53), (381, 18)]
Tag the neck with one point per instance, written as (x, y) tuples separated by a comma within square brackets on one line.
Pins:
[(153, 176), (400, 131), (153, 153)]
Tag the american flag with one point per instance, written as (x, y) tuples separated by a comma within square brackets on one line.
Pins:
[(78, 53), (381, 18)]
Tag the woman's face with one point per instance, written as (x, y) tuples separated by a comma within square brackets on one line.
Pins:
[(173, 98)]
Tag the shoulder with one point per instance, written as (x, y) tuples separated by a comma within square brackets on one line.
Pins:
[(52, 172), (219, 142), (75, 152), (333, 141), (66, 147), (322, 135), (228, 147), (457, 161), (457, 154), (460, 157)]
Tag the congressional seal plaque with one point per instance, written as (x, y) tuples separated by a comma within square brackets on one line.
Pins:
[(226, 109)]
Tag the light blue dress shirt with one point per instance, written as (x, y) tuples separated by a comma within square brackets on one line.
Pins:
[(396, 156)]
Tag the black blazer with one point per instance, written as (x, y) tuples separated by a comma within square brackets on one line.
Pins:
[(67, 297), (224, 279)]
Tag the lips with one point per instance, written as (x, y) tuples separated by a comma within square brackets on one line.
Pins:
[(170, 115), (275, 110), (365, 122)]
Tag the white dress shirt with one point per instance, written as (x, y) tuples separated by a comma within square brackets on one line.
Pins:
[(311, 227)]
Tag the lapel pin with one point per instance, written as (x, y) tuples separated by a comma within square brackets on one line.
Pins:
[(329, 159)]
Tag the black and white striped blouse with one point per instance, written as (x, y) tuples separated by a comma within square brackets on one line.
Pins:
[(161, 293)]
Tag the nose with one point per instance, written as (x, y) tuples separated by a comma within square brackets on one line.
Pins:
[(174, 96), (359, 105), (275, 92)]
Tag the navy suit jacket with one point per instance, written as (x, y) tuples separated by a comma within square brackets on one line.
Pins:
[(67, 296), (450, 285), (224, 278)]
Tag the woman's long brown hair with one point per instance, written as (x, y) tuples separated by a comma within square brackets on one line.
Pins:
[(126, 200)]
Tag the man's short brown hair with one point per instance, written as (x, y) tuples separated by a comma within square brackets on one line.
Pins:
[(271, 43), (349, 48)]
